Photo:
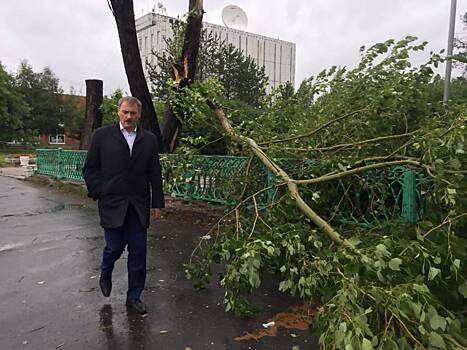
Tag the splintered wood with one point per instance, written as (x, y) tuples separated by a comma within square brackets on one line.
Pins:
[(298, 317)]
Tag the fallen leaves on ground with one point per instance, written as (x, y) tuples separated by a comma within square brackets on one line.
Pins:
[(298, 317)]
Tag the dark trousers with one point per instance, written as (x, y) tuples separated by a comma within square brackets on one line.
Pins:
[(132, 235)]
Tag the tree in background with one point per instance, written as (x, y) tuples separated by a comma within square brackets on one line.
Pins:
[(41, 92), (109, 107), (244, 87), (460, 44), (74, 109), (13, 108), (241, 77)]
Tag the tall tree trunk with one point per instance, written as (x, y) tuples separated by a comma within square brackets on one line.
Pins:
[(183, 72), (93, 118), (125, 19)]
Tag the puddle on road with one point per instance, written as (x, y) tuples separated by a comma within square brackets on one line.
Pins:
[(55, 209), (299, 317), (65, 206)]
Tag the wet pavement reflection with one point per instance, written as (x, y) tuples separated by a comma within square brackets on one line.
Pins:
[(50, 247)]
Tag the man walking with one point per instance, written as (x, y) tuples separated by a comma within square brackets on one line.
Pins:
[(122, 172)]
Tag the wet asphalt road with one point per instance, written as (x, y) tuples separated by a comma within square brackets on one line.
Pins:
[(50, 246)]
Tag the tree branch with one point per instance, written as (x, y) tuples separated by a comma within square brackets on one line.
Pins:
[(326, 178), (110, 7), (445, 221), (277, 170), (314, 131), (348, 145)]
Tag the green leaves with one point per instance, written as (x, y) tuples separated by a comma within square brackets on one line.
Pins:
[(285, 285), (381, 251), (402, 287), (395, 263), (433, 273), (253, 278), (437, 341), (436, 321), (420, 288), (366, 344), (463, 289)]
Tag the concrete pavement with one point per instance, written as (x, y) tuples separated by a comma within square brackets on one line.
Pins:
[(50, 247), (16, 172)]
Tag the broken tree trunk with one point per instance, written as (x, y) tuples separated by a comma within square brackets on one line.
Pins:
[(280, 173), (125, 19), (183, 72), (93, 119)]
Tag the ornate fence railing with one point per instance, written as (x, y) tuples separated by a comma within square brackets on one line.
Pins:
[(360, 199)]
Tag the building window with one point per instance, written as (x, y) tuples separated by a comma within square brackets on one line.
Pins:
[(58, 139)]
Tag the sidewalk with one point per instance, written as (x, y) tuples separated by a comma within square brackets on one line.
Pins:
[(50, 248), (16, 172)]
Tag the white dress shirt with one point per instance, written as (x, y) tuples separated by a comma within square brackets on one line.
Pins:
[(129, 136)]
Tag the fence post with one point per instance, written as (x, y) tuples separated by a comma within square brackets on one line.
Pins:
[(409, 196), (60, 173), (38, 161)]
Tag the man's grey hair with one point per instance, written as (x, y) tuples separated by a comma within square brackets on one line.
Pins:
[(131, 101)]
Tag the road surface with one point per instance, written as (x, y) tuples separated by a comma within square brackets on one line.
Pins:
[(50, 247)]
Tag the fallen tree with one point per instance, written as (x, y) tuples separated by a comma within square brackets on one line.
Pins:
[(386, 284), (183, 73), (389, 285)]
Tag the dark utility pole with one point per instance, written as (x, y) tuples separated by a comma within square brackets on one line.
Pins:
[(94, 97)]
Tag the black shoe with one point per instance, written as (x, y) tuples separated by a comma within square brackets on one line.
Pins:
[(136, 306), (105, 282)]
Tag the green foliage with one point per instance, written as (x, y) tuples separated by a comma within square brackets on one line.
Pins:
[(32, 103), (41, 92), (460, 44), (242, 79), (13, 108), (404, 285), (201, 135), (73, 112), (391, 95), (109, 107), (242, 87)]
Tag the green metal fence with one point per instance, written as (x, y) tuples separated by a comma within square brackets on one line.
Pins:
[(361, 199), (59, 163)]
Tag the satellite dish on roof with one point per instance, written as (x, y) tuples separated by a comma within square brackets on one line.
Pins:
[(234, 17)]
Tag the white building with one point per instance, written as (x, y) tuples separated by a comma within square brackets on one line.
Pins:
[(276, 56)]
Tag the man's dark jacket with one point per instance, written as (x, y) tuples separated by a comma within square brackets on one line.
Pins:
[(115, 179)]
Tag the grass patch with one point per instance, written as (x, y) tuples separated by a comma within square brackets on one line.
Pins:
[(6, 153), (67, 187), (71, 188)]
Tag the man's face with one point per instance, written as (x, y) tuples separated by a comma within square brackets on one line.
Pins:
[(128, 115)]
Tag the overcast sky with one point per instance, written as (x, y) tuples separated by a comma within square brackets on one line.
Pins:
[(78, 39)]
